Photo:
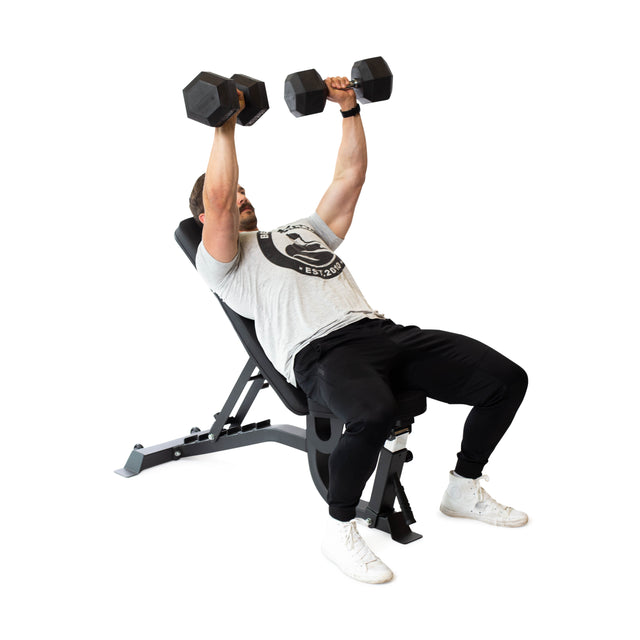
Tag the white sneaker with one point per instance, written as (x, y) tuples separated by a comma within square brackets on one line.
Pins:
[(343, 545), (465, 498)]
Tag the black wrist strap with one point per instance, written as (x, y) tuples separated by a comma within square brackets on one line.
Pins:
[(352, 112)]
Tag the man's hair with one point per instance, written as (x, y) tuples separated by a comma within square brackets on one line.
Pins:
[(195, 199)]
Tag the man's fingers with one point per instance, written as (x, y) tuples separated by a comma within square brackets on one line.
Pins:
[(240, 99), (338, 82)]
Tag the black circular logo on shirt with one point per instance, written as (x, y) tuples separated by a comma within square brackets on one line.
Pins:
[(297, 247)]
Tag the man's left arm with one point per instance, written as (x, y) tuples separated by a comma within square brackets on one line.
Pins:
[(339, 202)]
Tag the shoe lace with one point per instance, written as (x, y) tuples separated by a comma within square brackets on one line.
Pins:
[(486, 502), (358, 546)]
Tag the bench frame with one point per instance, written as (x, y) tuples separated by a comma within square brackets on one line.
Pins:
[(322, 433)]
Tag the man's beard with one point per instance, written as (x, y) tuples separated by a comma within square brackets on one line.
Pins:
[(248, 220)]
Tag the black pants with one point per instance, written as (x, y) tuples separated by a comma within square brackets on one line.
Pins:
[(354, 372)]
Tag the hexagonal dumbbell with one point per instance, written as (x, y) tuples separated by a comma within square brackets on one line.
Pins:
[(306, 93), (212, 99)]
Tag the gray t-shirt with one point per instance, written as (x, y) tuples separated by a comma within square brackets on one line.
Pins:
[(291, 284)]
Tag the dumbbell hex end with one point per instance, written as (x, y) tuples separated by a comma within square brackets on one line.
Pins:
[(255, 98), (305, 93), (373, 78), (210, 99)]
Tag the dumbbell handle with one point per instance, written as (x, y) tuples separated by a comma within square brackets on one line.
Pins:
[(353, 84)]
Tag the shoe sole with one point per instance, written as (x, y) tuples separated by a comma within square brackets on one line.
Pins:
[(511, 525)]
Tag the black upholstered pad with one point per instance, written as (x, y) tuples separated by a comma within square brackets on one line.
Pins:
[(188, 236), (410, 404)]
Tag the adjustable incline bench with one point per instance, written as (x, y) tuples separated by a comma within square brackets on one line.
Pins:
[(318, 440)]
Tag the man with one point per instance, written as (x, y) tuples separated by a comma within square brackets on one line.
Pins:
[(319, 331)]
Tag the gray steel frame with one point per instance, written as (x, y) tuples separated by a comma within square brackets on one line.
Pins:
[(318, 440)]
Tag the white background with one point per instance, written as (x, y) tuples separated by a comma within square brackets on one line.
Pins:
[(500, 203)]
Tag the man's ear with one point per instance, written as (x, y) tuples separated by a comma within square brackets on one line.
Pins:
[(201, 218)]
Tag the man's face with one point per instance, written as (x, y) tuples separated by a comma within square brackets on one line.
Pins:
[(248, 220)]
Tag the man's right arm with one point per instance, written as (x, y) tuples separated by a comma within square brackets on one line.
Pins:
[(220, 193)]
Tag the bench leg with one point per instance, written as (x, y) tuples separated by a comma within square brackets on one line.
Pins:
[(379, 510), (323, 433)]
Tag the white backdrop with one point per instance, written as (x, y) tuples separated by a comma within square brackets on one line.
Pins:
[(500, 203)]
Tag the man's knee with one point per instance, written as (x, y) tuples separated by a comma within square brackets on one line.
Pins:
[(517, 380), (508, 381), (513, 383)]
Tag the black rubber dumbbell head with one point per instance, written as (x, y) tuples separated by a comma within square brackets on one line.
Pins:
[(210, 99), (305, 93), (374, 80), (255, 99)]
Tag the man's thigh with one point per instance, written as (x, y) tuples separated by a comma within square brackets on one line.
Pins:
[(440, 363), (350, 382)]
